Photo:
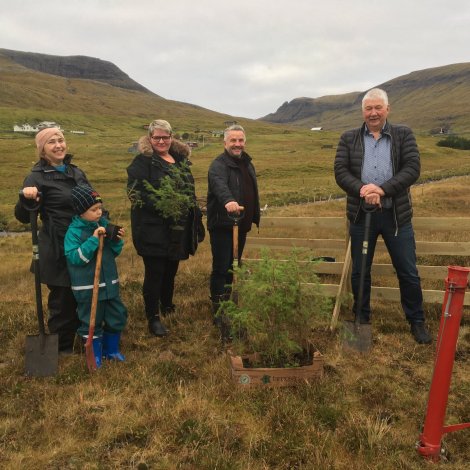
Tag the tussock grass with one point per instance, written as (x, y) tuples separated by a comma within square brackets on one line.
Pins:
[(172, 403)]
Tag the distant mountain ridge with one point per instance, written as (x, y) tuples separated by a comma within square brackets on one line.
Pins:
[(74, 67), (93, 96), (428, 99)]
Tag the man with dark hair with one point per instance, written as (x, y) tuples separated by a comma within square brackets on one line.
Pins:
[(376, 164), (232, 192)]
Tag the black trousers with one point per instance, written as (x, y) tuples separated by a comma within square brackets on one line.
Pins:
[(159, 283), (63, 316), (222, 260)]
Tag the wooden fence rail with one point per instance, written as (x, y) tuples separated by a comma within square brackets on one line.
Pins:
[(338, 246)]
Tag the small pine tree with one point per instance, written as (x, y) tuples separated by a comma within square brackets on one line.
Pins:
[(274, 311), (175, 196)]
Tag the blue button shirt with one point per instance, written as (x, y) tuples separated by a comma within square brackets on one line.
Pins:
[(377, 166)]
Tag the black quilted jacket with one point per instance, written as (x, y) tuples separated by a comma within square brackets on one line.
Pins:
[(406, 170)]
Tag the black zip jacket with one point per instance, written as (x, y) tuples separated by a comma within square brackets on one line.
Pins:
[(56, 212), (225, 185), (406, 170)]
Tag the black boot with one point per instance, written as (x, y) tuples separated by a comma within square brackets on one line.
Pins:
[(166, 310), (420, 333), (220, 320), (156, 327), (222, 323)]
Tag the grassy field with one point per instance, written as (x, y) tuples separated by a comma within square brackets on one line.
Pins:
[(293, 166), (172, 404)]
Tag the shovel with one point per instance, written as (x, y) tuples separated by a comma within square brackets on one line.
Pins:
[(357, 335), (42, 351), (225, 326), (236, 219), (89, 353)]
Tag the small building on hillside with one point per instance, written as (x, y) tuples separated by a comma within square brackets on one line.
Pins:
[(44, 124), (25, 128), (316, 129), (230, 123)]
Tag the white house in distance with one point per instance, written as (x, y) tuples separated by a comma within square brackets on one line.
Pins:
[(29, 128), (316, 129), (44, 124), (25, 128)]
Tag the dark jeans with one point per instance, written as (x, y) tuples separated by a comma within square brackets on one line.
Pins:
[(402, 249), (159, 283), (222, 260), (62, 315)]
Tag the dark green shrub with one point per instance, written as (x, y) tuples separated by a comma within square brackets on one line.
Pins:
[(455, 142)]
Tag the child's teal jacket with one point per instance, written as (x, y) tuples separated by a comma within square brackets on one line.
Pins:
[(80, 248)]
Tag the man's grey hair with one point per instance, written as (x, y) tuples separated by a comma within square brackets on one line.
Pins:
[(233, 127), (376, 93), (160, 124)]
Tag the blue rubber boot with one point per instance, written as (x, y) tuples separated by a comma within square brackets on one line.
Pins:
[(98, 349), (111, 347)]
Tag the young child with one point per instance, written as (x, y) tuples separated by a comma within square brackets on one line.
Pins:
[(81, 246)]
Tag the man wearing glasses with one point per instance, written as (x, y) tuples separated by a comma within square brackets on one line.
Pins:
[(154, 236)]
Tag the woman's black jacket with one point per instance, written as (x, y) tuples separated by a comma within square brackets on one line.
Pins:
[(152, 234), (55, 211)]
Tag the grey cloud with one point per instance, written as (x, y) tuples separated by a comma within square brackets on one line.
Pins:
[(246, 58)]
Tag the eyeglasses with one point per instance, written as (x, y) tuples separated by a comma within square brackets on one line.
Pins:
[(157, 138)]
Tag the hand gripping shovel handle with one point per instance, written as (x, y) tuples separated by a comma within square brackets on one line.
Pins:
[(90, 356)]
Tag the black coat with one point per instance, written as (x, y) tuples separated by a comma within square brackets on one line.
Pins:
[(225, 185), (406, 169), (152, 234), (56, 212)]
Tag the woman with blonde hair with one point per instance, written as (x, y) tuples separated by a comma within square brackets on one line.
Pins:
[(48, 189), (161, 158)]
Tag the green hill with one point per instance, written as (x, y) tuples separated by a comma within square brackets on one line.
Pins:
[(91, 99), (427, 100)]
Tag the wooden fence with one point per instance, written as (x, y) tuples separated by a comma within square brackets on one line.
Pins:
[(340, 247)]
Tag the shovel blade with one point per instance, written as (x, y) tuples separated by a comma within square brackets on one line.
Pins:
[(357, 336), (90, 356), (42, 355)]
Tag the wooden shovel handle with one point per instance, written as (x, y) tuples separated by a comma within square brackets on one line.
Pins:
[(342, 283), (90, 357), (96, 282), (235, 244)]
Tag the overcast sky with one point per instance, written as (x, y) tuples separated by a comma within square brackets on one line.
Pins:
[(246, 57)]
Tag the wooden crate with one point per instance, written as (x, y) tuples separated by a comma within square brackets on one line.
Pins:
[(274, 377)]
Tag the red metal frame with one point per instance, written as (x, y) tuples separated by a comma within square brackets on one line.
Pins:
[(429, 445)]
